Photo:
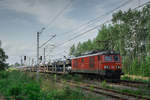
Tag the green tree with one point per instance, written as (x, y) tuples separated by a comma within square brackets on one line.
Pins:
[(134, 26), (78, 49), (3, 58), (72, 50), (129, 34), (89, 45)]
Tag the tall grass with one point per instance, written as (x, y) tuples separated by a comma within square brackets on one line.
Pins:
[(17, 85)]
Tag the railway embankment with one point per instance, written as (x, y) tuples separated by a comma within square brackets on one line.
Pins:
[(16, 85), (123, 89)]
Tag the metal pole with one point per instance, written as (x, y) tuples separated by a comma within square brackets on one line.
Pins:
[(55, 68), (37, 70), (21, 61), (25, 62), (64, 67), (32, 61), (44, 56), (44, 59), (29, 61)]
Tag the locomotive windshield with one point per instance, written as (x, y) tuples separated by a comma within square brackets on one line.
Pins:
[(108, 58), (116, 58), (111, 58)]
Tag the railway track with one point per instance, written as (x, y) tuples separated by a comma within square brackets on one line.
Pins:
[(133, 83), (104, 91), (107, 92)]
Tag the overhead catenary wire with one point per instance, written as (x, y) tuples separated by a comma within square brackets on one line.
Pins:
[(90, 22), (107, 13), (44, 28), (47, 41), (57, 15), (139, 6), (104, 15), (100, 25), (95, 27), (83, 33)]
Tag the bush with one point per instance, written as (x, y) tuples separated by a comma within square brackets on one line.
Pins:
[(126, 78), (147, 66), (3, 74), (66, 94), (32, 90), (77, 77), (137, 67), (104, 84), (67, 77), (15, 90), (16, 85)]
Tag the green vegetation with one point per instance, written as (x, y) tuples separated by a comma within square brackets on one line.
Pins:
[(15, 85), (144, 91), (140, 91), (75, 77), (135, 79), (129, 34), (104, 83), (3, 58)]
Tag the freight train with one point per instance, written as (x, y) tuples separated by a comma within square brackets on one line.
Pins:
[(105, 64)]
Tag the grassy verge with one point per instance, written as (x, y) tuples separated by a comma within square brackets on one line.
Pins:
[(137, 79), (17, 85), (139, 91)]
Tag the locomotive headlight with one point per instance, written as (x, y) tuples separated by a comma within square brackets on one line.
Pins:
[(118, 67), (112, 67), (106, 67)]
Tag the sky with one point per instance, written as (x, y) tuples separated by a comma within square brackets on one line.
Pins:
[(20, 20)]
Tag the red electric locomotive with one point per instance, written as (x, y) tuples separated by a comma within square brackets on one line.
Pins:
[(105, 64)]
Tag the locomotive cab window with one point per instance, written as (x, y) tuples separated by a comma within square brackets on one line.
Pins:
[(108, 58), (116, 58)]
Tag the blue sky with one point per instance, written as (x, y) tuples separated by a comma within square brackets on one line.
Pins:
[(21, 19)]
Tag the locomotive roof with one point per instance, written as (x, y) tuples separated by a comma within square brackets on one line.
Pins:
[(99, 53)]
